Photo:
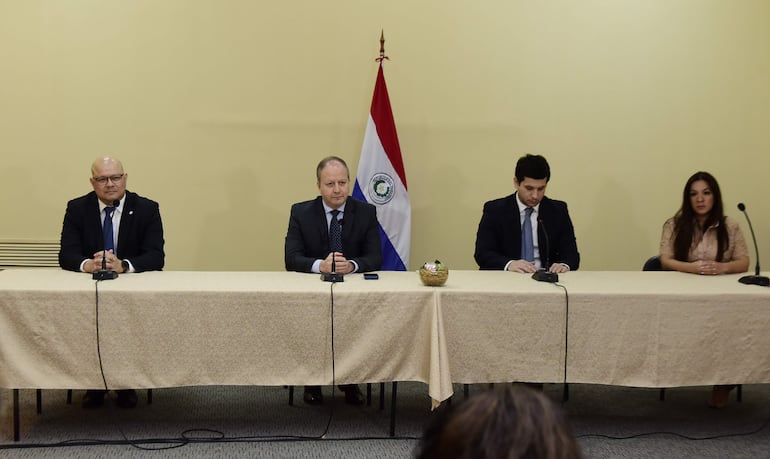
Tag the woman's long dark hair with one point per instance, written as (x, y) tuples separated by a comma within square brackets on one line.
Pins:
[(684, 220)]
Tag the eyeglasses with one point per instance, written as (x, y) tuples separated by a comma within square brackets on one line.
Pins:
[(112, 178)]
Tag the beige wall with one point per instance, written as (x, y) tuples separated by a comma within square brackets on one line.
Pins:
[(221, 109)]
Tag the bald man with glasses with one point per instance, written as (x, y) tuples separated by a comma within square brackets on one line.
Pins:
[(114, 225)]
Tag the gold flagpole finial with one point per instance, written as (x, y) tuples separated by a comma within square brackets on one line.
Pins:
[(382, 47)]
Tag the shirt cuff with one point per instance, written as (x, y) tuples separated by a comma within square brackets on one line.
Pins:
[(316, 268)]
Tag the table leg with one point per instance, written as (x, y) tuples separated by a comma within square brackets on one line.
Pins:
[(393, 410), (16, 415)]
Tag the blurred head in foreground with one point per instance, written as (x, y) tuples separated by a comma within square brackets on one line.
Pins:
[(511, 422)]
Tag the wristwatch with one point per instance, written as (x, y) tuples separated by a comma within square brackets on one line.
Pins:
[(125, 265)]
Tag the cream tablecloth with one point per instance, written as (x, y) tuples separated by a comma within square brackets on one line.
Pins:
[(500, 326), (666, 329), (166, 329)]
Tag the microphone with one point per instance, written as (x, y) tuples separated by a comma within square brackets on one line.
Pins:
[(333, 276), (756, 279), (104, 274), (542, 274)]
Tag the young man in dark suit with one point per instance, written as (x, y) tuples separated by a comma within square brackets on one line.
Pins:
[(310, 248), (135, 245), (501, 241)]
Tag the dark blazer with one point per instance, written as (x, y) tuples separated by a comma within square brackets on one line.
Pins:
[(140, 238), (498, 239), (307, 239)]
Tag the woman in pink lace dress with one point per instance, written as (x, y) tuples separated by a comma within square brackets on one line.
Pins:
[(700, 239)]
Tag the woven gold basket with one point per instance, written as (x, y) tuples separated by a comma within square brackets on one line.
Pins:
[(433, 278)]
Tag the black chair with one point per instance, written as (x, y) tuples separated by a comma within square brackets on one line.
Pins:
[(368, 395), (39, 398), (653, 264)]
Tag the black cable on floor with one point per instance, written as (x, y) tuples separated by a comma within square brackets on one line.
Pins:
[(186, 439), (676, 434), (566, 329), (107, 389), (334, 375)]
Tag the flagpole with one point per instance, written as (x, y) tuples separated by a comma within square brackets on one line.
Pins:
[(382, 47)]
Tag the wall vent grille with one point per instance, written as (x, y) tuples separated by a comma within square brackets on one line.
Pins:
[(29, 254)]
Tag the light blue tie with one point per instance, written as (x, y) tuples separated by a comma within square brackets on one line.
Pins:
[(527, 244), (109, 243)]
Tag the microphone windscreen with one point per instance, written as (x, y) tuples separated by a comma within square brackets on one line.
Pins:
[(116, 203), (741, 207)]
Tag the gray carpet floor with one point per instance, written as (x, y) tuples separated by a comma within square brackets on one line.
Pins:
[(610, 422)]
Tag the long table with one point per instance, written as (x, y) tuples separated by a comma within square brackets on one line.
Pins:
[(666, 329), (170, 329)]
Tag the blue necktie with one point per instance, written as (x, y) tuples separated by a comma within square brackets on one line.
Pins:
[(335, 233), (527, 244), (109, 243)]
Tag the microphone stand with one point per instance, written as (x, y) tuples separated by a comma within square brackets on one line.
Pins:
[(104, 274), (333, 276), (756, 279), (542, 274)]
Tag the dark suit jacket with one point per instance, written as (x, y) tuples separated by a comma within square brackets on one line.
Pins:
[(307, 239), (140, 238), (498, 239)]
